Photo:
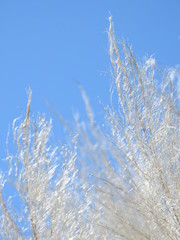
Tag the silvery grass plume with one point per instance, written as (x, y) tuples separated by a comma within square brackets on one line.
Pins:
[(133, 162), (39, 195), (119, 181)]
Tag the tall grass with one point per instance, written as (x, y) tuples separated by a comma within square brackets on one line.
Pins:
[(119, 181)]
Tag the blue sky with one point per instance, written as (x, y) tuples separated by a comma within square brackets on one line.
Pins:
[(49, 45)]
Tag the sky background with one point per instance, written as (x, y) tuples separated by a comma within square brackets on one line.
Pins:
[(49, 45)]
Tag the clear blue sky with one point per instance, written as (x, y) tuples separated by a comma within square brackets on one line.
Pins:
[(50, 44)]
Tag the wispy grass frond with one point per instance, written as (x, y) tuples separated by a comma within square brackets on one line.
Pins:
[(119, 181)]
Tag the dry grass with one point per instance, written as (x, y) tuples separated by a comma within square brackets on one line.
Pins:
[(120, 181)]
